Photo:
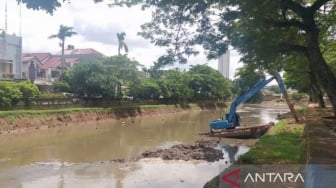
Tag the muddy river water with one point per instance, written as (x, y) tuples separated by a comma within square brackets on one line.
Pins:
[(80, 155)]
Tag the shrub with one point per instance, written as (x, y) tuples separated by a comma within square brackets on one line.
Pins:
[(298, 96), (10, 95), (29, 92)]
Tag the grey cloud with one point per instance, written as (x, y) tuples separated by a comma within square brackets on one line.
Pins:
[(108, 34)]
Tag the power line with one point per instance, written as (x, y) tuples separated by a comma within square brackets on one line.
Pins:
[(6, 17)]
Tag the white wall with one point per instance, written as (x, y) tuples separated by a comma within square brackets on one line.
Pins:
[(11, 49)]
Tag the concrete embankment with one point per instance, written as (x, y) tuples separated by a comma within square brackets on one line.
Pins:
[(320, 137)]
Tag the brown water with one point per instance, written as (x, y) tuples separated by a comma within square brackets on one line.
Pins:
[(78, 156)]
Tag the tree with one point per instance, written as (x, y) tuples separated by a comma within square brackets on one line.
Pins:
[(29, 91), (11, 93), (263, 31), (121, 42), (298, 76), (63, 33), (146, 88), (48, 5), (246, 78), (124, 70), (208, 83), (60, 86), (102, 78), (92, 79), (155, 71), (174, 86)]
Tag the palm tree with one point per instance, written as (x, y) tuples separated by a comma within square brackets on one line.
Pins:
[(63, 32), (121, 42)]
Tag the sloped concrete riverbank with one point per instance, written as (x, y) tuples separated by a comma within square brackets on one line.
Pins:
[(320, 135)]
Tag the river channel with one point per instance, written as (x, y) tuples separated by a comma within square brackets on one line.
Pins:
[(80, 155)]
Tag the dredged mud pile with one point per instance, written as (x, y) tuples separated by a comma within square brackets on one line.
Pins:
[(201, 150)]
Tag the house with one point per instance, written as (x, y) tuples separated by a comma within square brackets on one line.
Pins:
[(30, 67), (44, 68), (87, 54), (52, 67), (10, 56)]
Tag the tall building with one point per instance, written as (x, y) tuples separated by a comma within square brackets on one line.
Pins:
[(224, 64), (10, 56)]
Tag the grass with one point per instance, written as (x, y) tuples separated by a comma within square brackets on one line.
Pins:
[(29, 113), (283, 145)]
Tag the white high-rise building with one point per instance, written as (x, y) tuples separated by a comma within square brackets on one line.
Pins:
[(10, 56), (224, 64)]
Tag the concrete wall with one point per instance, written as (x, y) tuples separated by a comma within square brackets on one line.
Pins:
[(11, 52)]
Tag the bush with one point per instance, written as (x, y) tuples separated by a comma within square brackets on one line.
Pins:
[(61, 86), (11, 93), (53, 96), (29, 92), (298, 96)]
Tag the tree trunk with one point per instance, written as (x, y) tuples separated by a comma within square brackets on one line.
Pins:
[(62, 59), (316, 92), (285, 95), (312, 96), (320, 69)]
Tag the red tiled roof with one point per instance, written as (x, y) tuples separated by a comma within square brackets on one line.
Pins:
[(87, 51), (40, 56), (56, 61), (52, 62), (26, 59)]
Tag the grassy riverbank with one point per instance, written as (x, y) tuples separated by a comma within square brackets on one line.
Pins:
[(4, 114), (283, 144), (12, 120), (8, 113)]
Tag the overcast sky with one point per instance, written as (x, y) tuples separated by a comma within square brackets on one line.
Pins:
[(96, 25)]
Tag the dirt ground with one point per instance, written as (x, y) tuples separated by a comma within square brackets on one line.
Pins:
[(19, 124)]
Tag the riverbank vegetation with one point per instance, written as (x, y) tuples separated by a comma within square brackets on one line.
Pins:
[(283, 144), (13, 120), (27, 113), (119, 77), (117, 80)]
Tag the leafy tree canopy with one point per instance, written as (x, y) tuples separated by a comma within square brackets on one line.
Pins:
[(247, 77), (48, 5), (209, 83), (100, 78), (264, 32)]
